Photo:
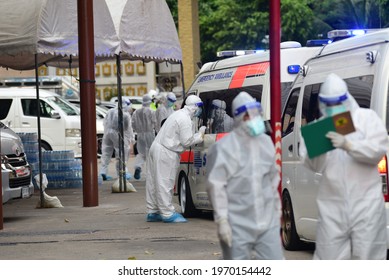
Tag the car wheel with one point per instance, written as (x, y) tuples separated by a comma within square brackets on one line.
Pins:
[(290, 238), (187, 207), (45, 146)]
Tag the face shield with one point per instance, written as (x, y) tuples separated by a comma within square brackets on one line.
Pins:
[(199, 109), (250, 115), (333, 105), (170, 101)]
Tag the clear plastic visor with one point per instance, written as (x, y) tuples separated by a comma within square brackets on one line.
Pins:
[(251, 109)]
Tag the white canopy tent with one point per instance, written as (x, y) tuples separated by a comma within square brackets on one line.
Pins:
[(36, 32), (49, 28)]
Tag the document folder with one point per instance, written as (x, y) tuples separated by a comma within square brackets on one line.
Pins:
[(314, 133)]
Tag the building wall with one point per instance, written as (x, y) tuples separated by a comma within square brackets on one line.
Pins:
[(189, 34)]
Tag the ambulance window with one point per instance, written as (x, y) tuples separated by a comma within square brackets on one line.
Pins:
[(290, 112), (227, 95), (285, 89), (310, 110), (360, 88)]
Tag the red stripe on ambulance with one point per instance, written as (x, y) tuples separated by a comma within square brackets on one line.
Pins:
[(186, 157), (252, 70)]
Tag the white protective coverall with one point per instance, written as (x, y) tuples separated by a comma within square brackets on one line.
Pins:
[(220, 121), (111, 137), (143, 122), (352, 221), (242, 183), (165, 109), (175, 136)]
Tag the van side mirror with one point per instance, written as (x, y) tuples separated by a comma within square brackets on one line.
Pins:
[(55, 115)]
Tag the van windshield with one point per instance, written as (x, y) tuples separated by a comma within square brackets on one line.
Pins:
[(67, 108)]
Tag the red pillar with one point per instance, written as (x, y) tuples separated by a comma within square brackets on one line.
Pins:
[(275, 79), (86, 52)]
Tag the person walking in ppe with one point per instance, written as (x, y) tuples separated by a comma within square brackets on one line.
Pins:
[(242, 184), (219, 121), (153, 95), (165, 109), (351, 221), (111, 139), (143, 122), (175, 136)]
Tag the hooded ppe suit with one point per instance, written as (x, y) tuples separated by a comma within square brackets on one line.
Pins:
[(111, 138), (351, 222), (143, 122), (164, 157), (219, 121), (242, 183), (165, 109)]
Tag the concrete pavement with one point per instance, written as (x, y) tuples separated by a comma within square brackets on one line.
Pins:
[(114, 230)]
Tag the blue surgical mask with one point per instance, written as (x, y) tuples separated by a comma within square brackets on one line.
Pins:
[(255, 126), (198, 112), (334, 110)]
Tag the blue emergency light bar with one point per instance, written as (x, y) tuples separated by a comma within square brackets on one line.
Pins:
[(318, 42), (293, 69)]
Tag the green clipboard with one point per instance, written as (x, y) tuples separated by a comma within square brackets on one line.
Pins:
[(314, 133)]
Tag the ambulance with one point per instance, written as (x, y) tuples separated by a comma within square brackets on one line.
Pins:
[(223, 80), (363, 62)]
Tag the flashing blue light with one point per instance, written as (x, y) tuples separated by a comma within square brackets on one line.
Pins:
[(318, 42), (358, 32), (293, 69)]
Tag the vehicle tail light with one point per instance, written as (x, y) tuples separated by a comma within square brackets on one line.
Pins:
[(382, 168)]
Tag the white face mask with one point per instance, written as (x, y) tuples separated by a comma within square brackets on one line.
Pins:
[(255, 126)]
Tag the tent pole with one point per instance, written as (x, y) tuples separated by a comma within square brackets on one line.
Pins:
[(122, 156), (38, 110), (182, 80)]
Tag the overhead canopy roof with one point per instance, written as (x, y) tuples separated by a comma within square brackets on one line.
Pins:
[(139, 29)]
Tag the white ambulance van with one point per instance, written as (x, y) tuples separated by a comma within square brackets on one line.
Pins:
[(60, 120), (363, 62), (224, 79)]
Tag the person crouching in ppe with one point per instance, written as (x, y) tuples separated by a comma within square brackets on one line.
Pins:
[(143, 122), (242, 184), (351, 222), (165, 109), (111, 139), (175, 136), (219, 120)]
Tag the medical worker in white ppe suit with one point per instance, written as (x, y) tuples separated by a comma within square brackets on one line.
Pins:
[(219, 120), (352, 221), (242, 183), (111, 139), (175, 136), (143, 122), (165, 109)]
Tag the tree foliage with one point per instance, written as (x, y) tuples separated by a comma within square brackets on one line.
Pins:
[(243, 24)]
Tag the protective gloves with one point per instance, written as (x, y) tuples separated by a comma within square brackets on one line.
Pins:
[(202, 131), (339, 141), (224, 232)]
